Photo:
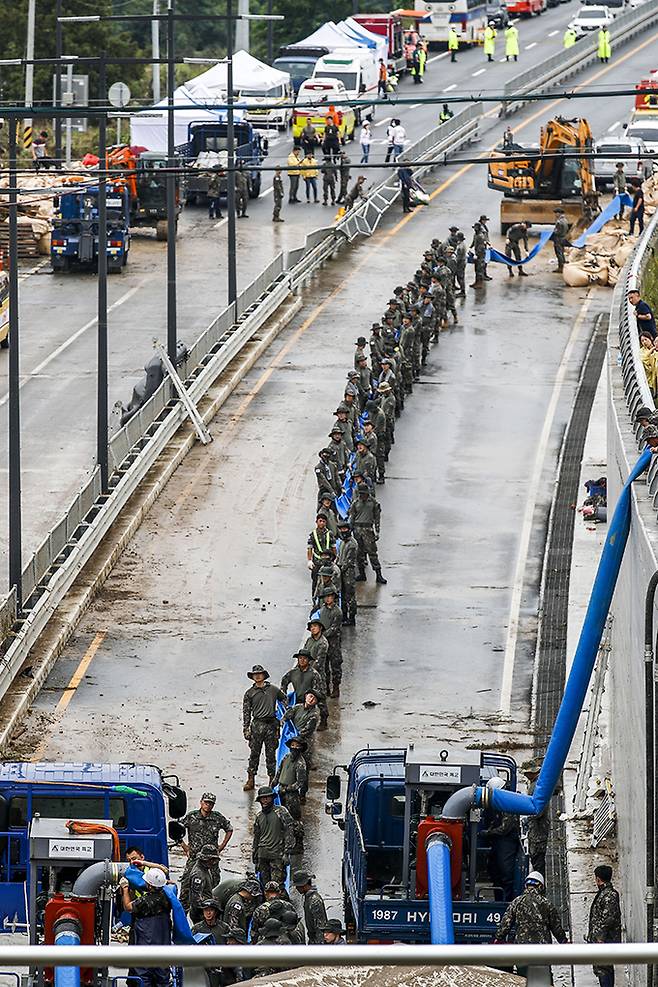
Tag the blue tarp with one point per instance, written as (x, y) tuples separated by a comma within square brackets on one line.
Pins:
[(583, 663), (610, 211)]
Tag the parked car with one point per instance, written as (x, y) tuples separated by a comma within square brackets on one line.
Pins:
[(645, 129), (497, 12), (590, 19), (604, 168)]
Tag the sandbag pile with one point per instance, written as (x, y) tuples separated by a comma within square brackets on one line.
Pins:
[(601, 260)]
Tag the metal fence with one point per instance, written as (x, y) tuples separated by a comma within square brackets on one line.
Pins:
[(567, 63)]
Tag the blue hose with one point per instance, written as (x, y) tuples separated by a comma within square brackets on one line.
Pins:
[(582, 667), (67, 976), (439, 885)]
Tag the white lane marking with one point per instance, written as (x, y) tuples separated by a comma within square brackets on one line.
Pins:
[(613, 126), (533, 44), (435, 58), (551, 34), (449, 89), (76, 335), (528, 517), (414, 106), (219, 225), (33, 270), (268, 191), (503, 59), (479, 72), (380, 123)]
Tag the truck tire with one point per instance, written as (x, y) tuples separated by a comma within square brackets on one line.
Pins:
[(5, 343), (504, 228), (60, 264), (114, 266), (254, 188), (161, 229)]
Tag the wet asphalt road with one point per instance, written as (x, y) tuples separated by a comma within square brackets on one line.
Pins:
[(58, 332), (216, 578)]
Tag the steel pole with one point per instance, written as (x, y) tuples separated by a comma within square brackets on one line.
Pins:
[(15, 520), (230, 177), (270, 34), (155, 43), (102, 383), (171, 191), (29, 57), (58, 80)]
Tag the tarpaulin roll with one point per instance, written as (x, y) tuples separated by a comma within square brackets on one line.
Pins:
[(610, 211), (498, 258)]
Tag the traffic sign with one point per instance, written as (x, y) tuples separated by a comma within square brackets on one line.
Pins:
[(119, 94)]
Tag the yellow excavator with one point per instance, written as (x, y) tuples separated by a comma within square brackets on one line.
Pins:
[(536, 180)]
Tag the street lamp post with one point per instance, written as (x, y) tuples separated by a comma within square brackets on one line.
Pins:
[(102, 436), (15, 519), (230, 175), (172, 329)]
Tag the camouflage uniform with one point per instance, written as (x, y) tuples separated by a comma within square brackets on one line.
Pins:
[(315, 915), (319, 648), (406, 343), (305, 719), (274, 841), (532, 919), (241, 193), (238, 911), (560, 239), (365, 515), (302, 681), (446, 279), (201, 831), (347, 565), (260, 725), (202, 878), (277, 190), (480, 250), (328, 171), (332, 618), (605, 926), (539, 828), (292, 779)]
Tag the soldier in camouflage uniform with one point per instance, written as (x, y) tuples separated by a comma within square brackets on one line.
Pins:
[(531, 918), (259, 722), (604, 919), (318, 647), (241, 193), (437, 293), (460, 258), (406, 344), (203, 827), (294, 928), (539, 826), (292, 776), (388, 407), (365, 515), (332, 617), (347, 565), (447, 280), (305, 717), (315, 914), (202, 878), (274, 838), (479, 247), (276, 901), (241, 906)]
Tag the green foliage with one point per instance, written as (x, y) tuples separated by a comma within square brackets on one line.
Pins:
[(650, 284)]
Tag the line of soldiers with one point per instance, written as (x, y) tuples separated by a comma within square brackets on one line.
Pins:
[(344, 539)]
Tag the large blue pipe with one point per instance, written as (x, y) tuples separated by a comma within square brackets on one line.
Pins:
[(439, 886), (582, 667), (67, 933)]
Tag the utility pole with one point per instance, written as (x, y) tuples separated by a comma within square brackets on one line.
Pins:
[(270, 34), (58, 79), (172, 330), (242, 27), (15, 519), (155, 42), (102, 437), (230, 173), (29, 55)]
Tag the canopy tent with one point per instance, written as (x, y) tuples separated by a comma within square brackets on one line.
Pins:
[(328, 36), (365, 37), (248, 73), (149, 127)]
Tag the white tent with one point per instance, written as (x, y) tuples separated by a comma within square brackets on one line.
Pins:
[(248, 73), (365, 37), (149, 127), (328, 36)]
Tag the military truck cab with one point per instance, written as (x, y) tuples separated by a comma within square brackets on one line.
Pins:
[(393, 802), (133, 797), (207, 149)]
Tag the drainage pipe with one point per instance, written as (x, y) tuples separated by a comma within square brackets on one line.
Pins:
[(439, 884)]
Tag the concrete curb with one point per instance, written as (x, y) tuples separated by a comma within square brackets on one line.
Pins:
[(32, 676)]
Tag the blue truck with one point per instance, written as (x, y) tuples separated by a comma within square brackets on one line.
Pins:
[(74, 238), (393, 808), (207, 148), (135, 797)]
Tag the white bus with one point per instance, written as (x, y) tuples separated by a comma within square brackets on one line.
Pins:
[(468, 17)]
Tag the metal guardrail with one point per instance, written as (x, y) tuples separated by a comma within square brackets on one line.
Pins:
[(566, 63), (135, 447)]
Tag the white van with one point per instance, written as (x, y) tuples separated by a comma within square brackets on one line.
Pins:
[(260, 109), (357, 69)]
